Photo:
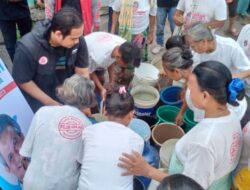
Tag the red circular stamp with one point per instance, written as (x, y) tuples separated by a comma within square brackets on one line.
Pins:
[(70, 127), (235, 146), (43, 60)]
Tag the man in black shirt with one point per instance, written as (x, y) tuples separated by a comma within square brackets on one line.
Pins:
[(52, 51), (12, 13), (165, 9)]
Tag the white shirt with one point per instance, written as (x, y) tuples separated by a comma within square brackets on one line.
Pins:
[(211, 149), (230, 54), (244, 39), (199, 114), (202, 11), (103, 145), (52, 143), (100, 46), (142, 10), (245, 154), (111, 2)]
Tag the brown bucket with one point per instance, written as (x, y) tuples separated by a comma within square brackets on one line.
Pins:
[(165, 131)]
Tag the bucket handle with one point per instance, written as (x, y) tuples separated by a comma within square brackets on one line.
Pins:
[(101, 106)]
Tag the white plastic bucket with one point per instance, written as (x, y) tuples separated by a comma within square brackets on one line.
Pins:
[(166, 152), (146, 74), (145, 98)]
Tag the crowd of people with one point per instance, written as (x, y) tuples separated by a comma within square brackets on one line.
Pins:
[(66, 68)]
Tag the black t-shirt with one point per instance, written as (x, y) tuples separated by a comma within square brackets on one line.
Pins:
[(73, 3), (167, 3), (14, 10), (42, 70)]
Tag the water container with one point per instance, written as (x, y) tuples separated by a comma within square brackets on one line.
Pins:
[(141, 128), (151, 155), (146, 74), (171, 96), (138, 185), (165, 131), (189, 120), (145, 98), (167, 113)]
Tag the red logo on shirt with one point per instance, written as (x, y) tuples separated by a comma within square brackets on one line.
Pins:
[(70, 127), (234, 149), (43, 60)]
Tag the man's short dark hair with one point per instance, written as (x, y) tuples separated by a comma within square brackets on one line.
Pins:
[(65, 20), (130, 54)]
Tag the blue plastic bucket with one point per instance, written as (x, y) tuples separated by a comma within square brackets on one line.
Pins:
[(141, 128), (145, 98), (138, 185), (151, 155), (171, 96)]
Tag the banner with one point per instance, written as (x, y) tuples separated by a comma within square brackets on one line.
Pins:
[(14, 109)]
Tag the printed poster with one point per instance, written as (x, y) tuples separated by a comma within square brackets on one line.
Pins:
[(15, 119)]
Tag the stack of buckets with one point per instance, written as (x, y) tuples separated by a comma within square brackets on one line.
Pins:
[(145, 95)]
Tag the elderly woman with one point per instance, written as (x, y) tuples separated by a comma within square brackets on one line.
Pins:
[(207, 46), (178, 65), (54, 138)]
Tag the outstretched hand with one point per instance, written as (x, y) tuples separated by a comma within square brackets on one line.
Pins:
[(134, 164)]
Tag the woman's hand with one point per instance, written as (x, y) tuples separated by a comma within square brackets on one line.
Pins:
[(179, 119), (134, 164)]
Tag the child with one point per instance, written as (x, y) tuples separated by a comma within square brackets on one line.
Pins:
[(210, 151), (104, 142), (54, 138)]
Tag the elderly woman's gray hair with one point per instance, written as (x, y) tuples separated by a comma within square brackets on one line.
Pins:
[(177, 58), (77, 91), (200, 31)]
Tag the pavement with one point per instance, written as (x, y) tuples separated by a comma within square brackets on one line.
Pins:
[(38, 14)]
